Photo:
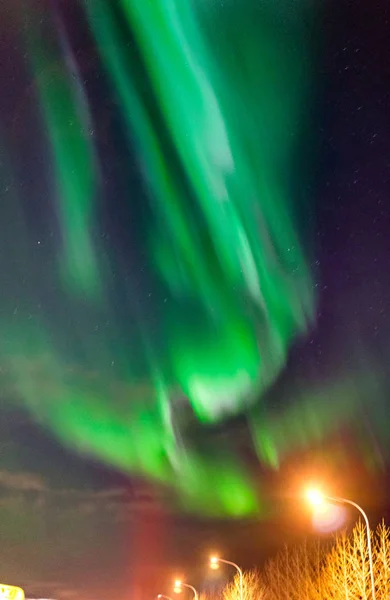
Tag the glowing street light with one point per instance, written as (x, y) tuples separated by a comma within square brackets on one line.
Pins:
[(178, 588), (214, 564), (316, 498)]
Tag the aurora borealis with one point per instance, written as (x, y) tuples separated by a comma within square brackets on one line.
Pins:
[(161, 274), (214, 146)]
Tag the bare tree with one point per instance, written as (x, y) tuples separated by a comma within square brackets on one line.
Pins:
[(382, 562), (209, 596), (295, 573), (346, 574), (336, 574), (253, 588)]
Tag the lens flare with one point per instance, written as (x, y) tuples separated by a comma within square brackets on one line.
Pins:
[(328, 518)]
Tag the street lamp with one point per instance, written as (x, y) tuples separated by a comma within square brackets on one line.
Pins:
[(214, 564), (178, 588), (316, 498)]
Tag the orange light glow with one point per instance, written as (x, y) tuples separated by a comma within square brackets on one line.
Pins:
[(315, 496), (214, 563)]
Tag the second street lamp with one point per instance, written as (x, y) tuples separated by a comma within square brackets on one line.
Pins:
[(316, 497), (214, 563), (178, 587)]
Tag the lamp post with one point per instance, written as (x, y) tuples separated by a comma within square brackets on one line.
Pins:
[(179, 588), (214, 563), (316, 497)]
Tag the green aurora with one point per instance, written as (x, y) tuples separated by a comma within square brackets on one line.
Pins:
[(214, 103)]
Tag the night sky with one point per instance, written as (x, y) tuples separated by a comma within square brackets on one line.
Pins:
[(71, 525)]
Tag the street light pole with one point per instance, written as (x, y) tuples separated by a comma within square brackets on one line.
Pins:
[(369, 548), (191, 587), (317, 497), (180, 584), (214, 560)]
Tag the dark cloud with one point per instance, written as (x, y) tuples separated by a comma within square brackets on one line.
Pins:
[(114, 501), (24, 482)]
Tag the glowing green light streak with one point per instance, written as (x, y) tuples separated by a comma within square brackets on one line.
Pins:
[(65, 113), (215, 195), (213, 139)]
